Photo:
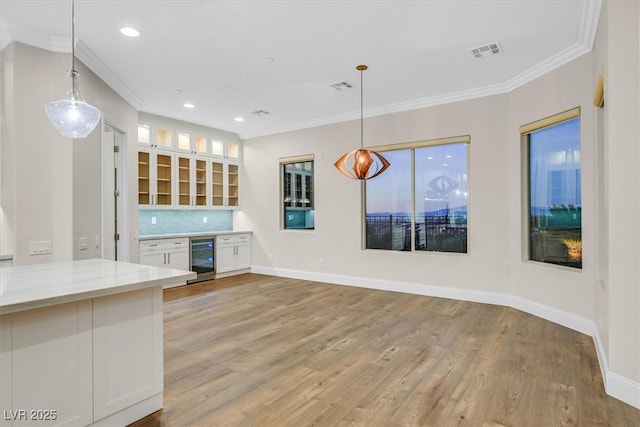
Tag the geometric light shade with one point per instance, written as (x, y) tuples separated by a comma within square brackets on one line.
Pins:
[(362, 164), (72, 116)]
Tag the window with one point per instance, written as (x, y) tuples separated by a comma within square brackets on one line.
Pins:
[(420, 202), (297, 193), (553, 186)]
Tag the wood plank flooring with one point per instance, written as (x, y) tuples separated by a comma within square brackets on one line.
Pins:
[(256, 350)]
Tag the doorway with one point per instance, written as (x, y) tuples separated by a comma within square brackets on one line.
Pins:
[(113, 206)]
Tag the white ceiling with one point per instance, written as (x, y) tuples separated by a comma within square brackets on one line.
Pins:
[(231, 58)]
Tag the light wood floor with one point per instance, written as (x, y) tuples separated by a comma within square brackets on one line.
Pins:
[(257, 350)]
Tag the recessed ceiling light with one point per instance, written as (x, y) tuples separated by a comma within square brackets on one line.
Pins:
[(448, 156), (129, 32), (189, 105), (239, 119), (430, 158)]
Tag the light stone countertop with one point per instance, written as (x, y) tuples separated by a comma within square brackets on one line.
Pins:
[(34, 286), (193, 234)]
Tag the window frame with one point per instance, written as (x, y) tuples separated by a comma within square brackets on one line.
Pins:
[(283, 162), (525, 132), (460, 139)]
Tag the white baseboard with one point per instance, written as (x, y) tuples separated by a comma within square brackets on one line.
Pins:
[(616, 385)]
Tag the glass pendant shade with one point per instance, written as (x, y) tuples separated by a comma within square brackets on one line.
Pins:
[(72, 116), (362, 164)]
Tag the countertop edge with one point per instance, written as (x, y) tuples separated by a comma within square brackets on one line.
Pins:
[(188, 235)]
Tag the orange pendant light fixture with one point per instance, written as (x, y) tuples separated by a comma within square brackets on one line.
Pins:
[(361, 163)]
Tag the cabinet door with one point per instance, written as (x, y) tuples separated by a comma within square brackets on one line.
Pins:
[(225, 254), (146, 178), (127, 350), (178, 258), (233, 196), (164, 176), (45, 364), (153, 258), (217, 184), (183, 177), (200, 181), (243, 256)]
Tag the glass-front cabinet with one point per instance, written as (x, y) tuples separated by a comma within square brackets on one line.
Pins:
[(225, 184), (155, 179), (186, 168), (192, 181)]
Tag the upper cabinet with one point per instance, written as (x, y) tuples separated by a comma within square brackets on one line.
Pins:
[(180, 167)]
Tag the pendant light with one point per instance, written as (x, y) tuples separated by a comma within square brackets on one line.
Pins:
[(361, 163), (72, 116)]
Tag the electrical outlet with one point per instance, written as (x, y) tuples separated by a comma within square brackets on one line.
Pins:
[(96, 242), (153, 220), (204, 219), (83, 243)]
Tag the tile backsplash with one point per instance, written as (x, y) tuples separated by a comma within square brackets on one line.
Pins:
[(172, 221)]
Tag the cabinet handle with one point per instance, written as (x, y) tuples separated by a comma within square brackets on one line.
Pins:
[(169, 258), (164, 258)]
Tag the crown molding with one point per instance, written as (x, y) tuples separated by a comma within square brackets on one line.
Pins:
[(83, 53), (588, 31), (88, 58)]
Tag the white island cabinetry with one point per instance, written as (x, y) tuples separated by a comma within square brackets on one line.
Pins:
[(81, 342)]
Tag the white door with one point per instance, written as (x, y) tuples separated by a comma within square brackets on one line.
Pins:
[(113, 206)]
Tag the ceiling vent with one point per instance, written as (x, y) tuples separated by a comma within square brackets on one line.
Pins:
[(260, 113), (486, 50), (341, 85)]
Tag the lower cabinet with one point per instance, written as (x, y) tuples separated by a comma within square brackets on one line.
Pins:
[(92, 362), (168, 253), (233, 254)]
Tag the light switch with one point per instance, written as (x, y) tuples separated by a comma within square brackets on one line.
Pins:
[(40, 247)]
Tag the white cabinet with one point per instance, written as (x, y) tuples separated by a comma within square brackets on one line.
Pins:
[(168, 253), (92, 362), (233, 254), (192, 181), (225, 184), (155, 178)]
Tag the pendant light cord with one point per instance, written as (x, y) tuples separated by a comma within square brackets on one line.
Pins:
[(73, 36), (361, 112)]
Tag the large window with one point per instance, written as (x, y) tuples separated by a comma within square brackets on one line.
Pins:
[(420, 202), (553, 187), (297, 193)]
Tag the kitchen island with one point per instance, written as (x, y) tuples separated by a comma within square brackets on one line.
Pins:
[(81, 342)]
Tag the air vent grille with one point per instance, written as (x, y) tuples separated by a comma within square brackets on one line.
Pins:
[(260, 113), (486, 50), (341, 85)]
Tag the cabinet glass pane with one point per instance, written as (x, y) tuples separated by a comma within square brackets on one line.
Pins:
[(163, 138), (164, 179), (233, 185), (184, 141), (184, 183), (217, 184), (201, 144), (217, 148), (201, 183), (143, 178), (233, 151), (143, 134)]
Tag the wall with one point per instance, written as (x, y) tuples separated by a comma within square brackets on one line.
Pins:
[(622, 133), (494, 270), (37, 161), (51, 184), (494, 264), (87, 171)]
